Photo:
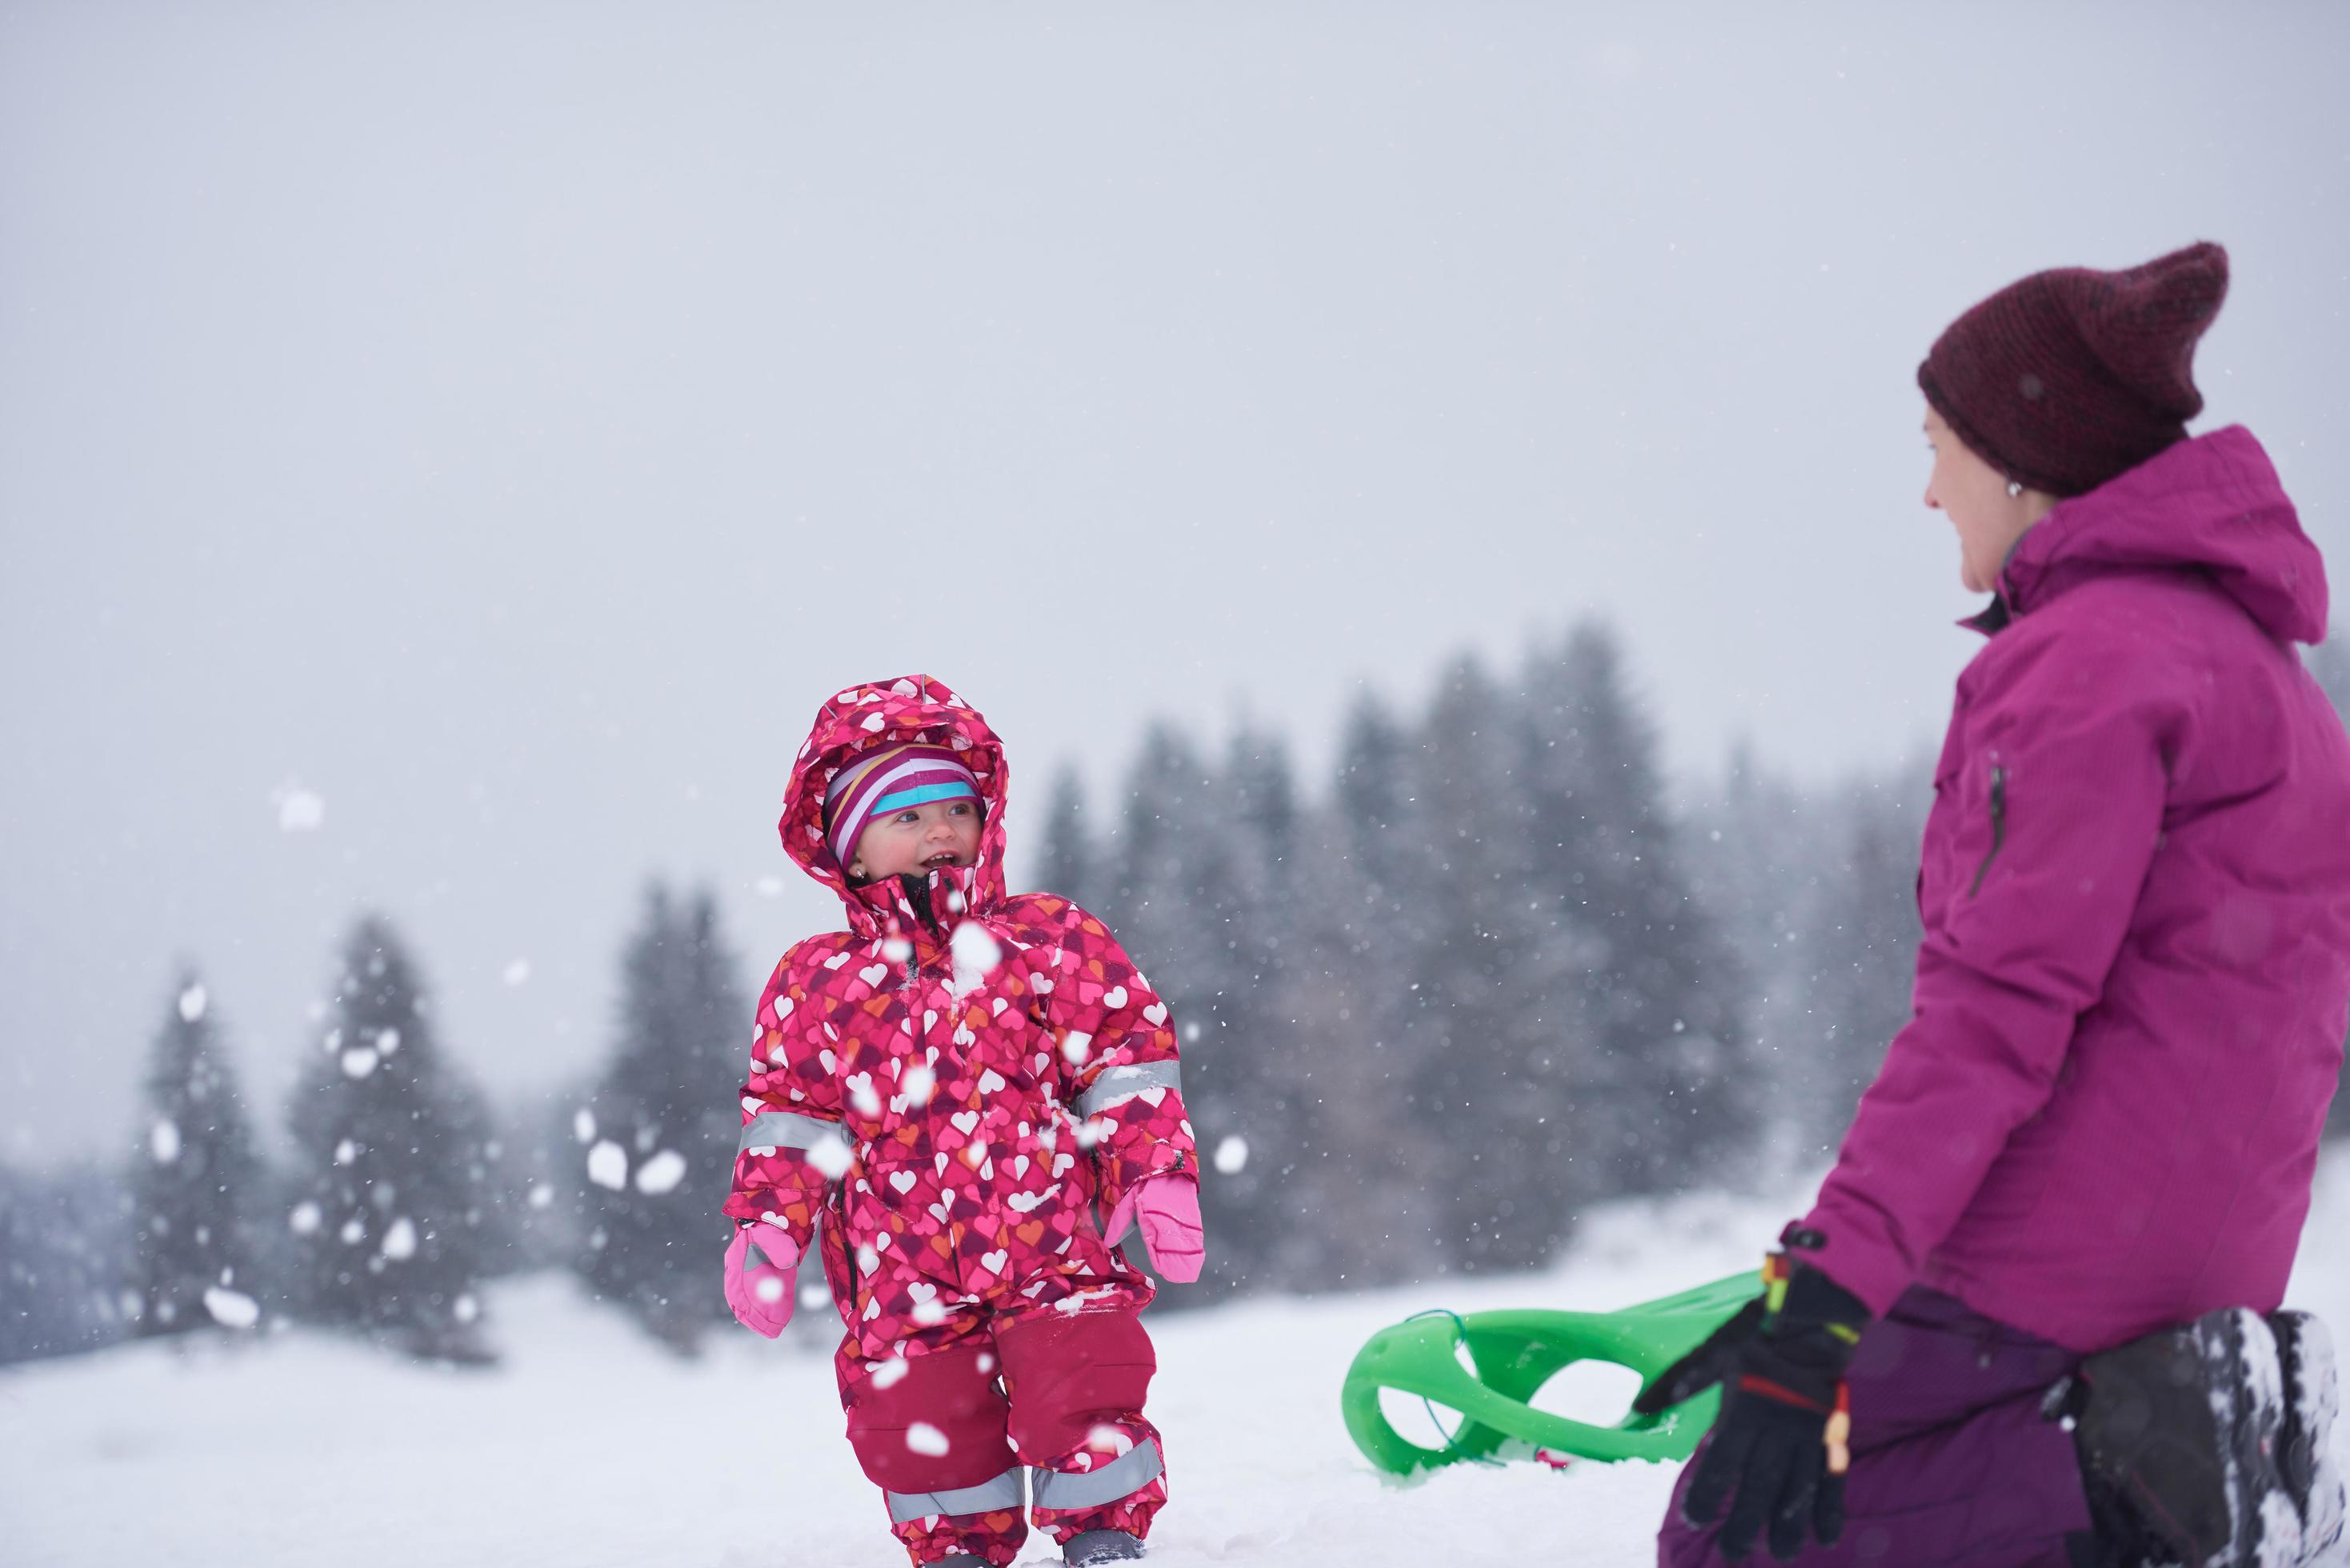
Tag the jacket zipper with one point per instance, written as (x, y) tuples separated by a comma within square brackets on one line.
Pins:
[(1998, 827), (917, 889), (848, 1250)]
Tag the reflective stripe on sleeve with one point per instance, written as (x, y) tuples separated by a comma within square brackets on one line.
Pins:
[(1121, 1478), (787, 1129), (1006, 1492), (1124, 1083)]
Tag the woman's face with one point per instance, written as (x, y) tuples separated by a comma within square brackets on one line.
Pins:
[(1974, 495)]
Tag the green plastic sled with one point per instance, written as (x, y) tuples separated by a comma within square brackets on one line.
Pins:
[(1516, 1353)]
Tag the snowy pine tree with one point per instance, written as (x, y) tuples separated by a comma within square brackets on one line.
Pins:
[(1762, 852), (661, 1125), (1429, 1019), (196, 1180), (1863, 948), (395, 1217), (1359, 1167), (66, 1261), (1245, 1070), (1068, 863), (1177, 899), (1666, 1093), (1499, 1062)]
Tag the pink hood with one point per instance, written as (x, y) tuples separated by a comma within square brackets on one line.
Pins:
[(886, 712), (2214, 505)]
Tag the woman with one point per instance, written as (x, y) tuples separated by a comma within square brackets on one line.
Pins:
[(2025, 1324)]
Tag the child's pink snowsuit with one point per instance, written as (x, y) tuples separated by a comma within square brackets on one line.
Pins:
[(946, 1091)]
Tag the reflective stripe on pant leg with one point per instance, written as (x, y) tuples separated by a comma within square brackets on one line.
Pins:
[(787, 1129), (1117, 1083), (1006, 1490), (1129, 1473)]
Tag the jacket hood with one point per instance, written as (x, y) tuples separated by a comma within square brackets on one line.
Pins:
[(2212, 504), (886, 712)]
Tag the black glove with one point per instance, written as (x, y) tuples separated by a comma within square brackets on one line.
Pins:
[(1782, 1439)]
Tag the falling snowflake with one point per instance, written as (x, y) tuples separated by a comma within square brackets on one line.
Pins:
[(976, 956), (661, 1173), (517, 972), (304, 1220), (164, 1142), (542, 1195), (399, 1242), (191, 1003), (467, 1308), (1231, 1155), (831, 1159), (299, 810), (926, 1440), (862, 1094), (608, 1166), (358, 1062), (231, 1309), (583, 1126)]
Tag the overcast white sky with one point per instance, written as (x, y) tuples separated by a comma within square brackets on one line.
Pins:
[(508, 421)]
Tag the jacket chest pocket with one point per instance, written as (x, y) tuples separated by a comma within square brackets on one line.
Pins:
[(1966, 836), (1994, 815)]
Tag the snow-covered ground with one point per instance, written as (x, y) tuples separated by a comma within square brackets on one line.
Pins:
[(590, 1447)]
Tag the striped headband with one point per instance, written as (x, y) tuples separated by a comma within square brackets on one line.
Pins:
[(888, 779)]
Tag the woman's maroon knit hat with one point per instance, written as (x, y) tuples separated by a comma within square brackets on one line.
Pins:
[(2070, 377)]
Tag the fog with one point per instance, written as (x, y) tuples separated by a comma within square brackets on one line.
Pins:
[(447, 453)]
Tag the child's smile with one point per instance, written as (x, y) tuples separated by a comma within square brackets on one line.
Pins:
[(926, 838)]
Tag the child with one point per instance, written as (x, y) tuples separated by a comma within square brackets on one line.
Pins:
[(945, 1091)]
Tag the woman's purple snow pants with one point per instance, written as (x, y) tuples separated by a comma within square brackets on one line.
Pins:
[(1952, 1461)]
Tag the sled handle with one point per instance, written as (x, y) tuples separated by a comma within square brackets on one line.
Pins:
[(1513, 1354)]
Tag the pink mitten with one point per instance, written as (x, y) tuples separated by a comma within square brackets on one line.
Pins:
[(761, 1262), (1167, 1206)]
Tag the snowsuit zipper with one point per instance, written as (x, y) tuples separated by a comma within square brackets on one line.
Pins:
[(1998, 827)]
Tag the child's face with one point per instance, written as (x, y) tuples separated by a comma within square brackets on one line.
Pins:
[(919, 838)]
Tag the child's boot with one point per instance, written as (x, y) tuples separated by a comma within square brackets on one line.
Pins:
[(1098, 1546), (2185, 1430), (2305, 1451)]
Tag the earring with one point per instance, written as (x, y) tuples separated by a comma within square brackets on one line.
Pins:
[(2014, 488)]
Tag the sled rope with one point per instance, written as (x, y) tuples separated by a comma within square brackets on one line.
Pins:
[(1460, 1337)]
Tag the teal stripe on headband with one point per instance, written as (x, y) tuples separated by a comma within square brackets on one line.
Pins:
[(921, 795)]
